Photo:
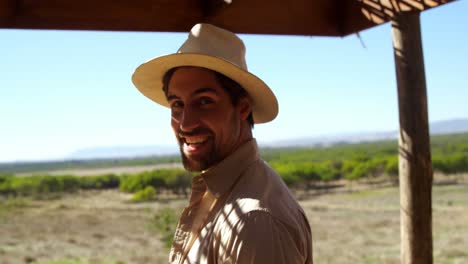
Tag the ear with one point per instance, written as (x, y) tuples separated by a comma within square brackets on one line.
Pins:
[(245, 107)]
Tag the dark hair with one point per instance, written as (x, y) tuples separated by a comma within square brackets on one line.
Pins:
[(233, 88)]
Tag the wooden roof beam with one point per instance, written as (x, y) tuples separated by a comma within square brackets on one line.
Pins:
[(298, 17), (380, 11), (211, 7), (7, 10), (362, 14), (141, 15)]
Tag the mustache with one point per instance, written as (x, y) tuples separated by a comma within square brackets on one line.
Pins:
[(194, 132)]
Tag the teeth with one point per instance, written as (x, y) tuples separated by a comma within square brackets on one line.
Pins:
[(195, 140)]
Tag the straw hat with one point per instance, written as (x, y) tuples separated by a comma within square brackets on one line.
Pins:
[(213, 48)]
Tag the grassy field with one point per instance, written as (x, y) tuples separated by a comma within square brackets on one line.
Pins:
[(361, 226), (364, 226)]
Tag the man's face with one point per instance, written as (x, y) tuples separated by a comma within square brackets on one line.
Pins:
[(206, 124)]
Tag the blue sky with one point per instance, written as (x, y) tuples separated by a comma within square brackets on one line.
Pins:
[(61, 91)]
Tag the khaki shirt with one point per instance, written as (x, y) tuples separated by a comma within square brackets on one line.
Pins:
[(241, 211)]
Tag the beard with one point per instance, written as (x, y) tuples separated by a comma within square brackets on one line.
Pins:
[(200, 163), (213, 152)]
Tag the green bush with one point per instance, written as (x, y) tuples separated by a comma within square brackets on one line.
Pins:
[(299, 173), (391, 168), (359, 171), (348, 166), (179, 182), (107, 181), (145, 195), (5, 188), (176, 180), (159, 179), (69, 183), (25, 186), (329, 170), (372, 167), (451, 163), (137, 182), (40, 185), (4, 177)]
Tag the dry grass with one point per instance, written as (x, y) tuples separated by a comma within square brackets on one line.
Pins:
[(91, 227), (364, 226), (103, 227)]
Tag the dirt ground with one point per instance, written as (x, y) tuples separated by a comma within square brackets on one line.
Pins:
[(103, 227)]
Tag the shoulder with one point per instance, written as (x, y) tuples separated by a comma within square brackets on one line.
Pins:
[(262, 189), (259, 237), (259, 223)]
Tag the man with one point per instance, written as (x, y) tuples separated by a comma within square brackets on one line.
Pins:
[(240, 211)]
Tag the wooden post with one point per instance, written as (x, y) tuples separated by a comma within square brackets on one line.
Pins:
[(414, 143)]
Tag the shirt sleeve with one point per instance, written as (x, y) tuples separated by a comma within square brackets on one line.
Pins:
[(260, 238)]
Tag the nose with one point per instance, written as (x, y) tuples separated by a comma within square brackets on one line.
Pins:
[(189, 120)]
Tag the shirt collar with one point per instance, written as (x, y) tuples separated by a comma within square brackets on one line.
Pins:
[(221, 177)]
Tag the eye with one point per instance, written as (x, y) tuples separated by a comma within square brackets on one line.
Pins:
[(206, 101), (177, 105)]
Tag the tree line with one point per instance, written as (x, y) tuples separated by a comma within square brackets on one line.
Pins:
[(303, 166), (299, 167)]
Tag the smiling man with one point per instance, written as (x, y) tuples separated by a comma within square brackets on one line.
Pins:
[(240, 211), (208, 124)]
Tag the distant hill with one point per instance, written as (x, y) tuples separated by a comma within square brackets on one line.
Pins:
[(439, 127), (106, 157), (449, 126), (435, 128), (123, 152)]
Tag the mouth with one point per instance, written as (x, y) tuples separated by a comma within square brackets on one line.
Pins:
[(193, 144), (193, 140)]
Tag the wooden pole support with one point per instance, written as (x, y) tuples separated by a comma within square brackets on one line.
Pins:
[(415, 166)]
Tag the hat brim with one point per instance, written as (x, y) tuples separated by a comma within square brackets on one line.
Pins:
[(148, 80)]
